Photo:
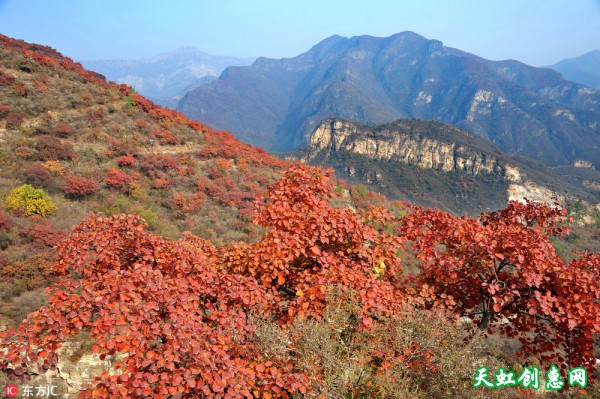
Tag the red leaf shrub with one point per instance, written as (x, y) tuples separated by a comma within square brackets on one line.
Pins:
[(79, 186), (37, 174), (152, 164), (20, 89), (162, 182), (117, 179), (126, 160), (42, 232), (4, 111), (502, 266), (95, 115), (5, 222), (6, 79), (63, 130), (165, 306), (14, 120), (51, 148), (177, 313)]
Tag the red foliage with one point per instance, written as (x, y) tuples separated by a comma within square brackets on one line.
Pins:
[(95, 115), (223, 144), (126, 160), (5, 222), (79, 186), (63, 130), (152, 164), (162, 182), (37, 174), (6, 79), (188, 203), (141, 123), (20, 89), (4, 111), (310, 246), (47, 56), (14, 120), (117, 179), (33, 272), (122, 147), (176, 312), (165, 136), (502, 266), (51, 148), (177, 318), (42, 232)]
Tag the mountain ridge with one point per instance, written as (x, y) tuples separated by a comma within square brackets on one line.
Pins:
[(522, 109), (584, 69)]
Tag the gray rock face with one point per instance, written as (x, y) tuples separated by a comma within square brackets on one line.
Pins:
[(77, 366), (523, 110)]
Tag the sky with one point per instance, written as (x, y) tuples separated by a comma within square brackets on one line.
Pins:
[(537, 32)]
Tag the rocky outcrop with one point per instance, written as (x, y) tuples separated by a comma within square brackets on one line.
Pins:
[(436, 165), (389, 144), (77, 366)]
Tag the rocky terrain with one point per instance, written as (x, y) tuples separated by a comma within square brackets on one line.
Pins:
[(440, 165)]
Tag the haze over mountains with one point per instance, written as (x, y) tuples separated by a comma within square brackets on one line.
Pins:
[(523, 110), (584, 69), (165, 78)]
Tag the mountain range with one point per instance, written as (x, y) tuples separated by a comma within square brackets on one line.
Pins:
[(165, 78), (584, 69), (523, 110)]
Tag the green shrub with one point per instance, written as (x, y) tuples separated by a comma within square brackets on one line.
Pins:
[(28, 201)]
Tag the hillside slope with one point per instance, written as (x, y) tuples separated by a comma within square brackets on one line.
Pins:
[(93, 146), (523, 110)]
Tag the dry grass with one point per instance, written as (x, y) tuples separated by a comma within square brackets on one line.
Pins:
[(339, 358)]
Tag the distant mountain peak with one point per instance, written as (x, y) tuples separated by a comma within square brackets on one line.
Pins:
[(166, 77), (584, 69)]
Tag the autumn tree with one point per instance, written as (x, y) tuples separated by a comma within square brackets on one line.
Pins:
[(501, 270), (178, 319), (177, 312), (311, 246)]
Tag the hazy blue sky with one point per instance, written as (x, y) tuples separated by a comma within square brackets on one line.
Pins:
[(538, 32)]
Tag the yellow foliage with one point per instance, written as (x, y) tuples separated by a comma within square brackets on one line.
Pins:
[(29, 201), (378, 269), (55, 167)]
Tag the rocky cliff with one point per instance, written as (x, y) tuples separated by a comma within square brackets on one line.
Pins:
[(412, 149), (434, 164)]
